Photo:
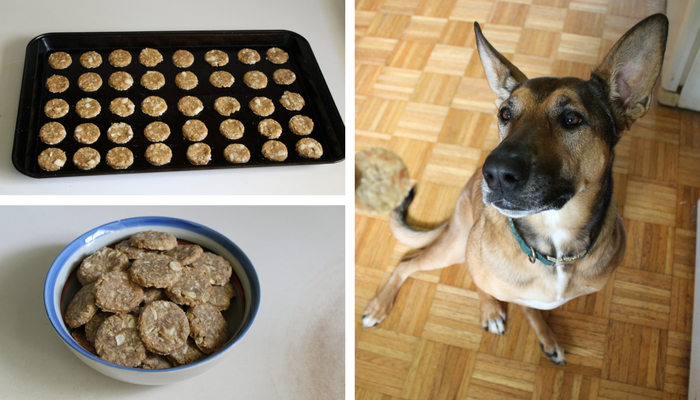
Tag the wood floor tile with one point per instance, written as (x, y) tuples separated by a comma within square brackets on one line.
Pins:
[(510, 14), (437, 89), (410, 55), (584, 23), (596, 6), (449, 60), (374, 50), (407, 7), (394, 83), (536, 42), (472, 10), (458, 33), (546, 18), (641, 298), (421, 121), (578, 48), (388, 25), (424, 29), (658, 209)]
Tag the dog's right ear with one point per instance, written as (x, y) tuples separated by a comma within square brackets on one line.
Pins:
[(501, 74)]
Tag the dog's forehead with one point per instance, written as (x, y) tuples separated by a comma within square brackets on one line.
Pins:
[(557, 92)]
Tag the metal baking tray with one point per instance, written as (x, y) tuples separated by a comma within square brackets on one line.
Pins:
[(329, 129)]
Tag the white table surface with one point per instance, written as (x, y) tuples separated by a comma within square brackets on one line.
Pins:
[(294, 350), (321, 22)]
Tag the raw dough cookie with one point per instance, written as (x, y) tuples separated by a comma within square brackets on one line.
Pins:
[(89, 82), (221, 296), (86, 158), (57, 83), (92, 326), (101, 262), (274, 150), (292, 101), (199, 154), (237, 153), (226, 105), (52, 133), (219, 269), (120, 80), (221, 79), (216, 58), (86, 133), (262, 106), (119, 158), (157, 131), (186, 80), (232, 129), (120, 58), (190, 106), (381, 181), (91, 59), (185, 253), (81, 309), (186, 354), (193, 288), (255, 79), (163, 327), (155, 270), (60, 60), (154, 240), (122, 107), (155, 361), (194, 130), (248, 56), (154, 106), (208, 327), (120, 133), (301, 125), (270, 128), (284, 77), (309, 148), (150, 57), (88, 108), (52, 159), (56, 108), (182, 58), (118, 341), (158, 154), (276, 55), (152, 80), (115, 292), (131, 251)]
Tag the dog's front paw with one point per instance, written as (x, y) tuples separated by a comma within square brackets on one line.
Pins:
[(494, 322), (555, 355), (375, 313)]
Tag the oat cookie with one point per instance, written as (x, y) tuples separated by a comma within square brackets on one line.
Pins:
[(152, 80), (150, 57), (91, 59), (199, 154), (79, 337), (208, 327), (158, 154), (221, 296), (87, 133), (185, 253), (116, 292), (52, 159), (88, 108), (276, 55), (187, 354), (301, 125), (52, 133), (86, 158), (94, 324), (190, 106), (82, 307), (118, 341), (60, 60), (154, 240), (122, 106), (120, 80), (182, 59), (120, 133), (292, 101), (193, 288), (194, 130), (163, 327), (120, 58), (157, 131), (99, 263), (255, 79), (57, 83), (237, 153), (132, 252), (153, 294), (309, 148), (226, 105), (155, 361), (274, 150), (232, 129), (270, 128), (262, 106), (248, 56), (216, 58), (284, 76), (56, 108), (119, 158), (219, 269), (155, 270), (89, 82), (186, 80), (154, 106), (221, 79)]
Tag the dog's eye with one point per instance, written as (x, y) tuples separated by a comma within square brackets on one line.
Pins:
[(572, 119), (504, 114)]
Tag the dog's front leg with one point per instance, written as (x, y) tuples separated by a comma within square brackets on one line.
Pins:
[(493, 317), (548, 342)]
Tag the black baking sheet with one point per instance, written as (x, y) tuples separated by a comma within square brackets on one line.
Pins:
[(329, 129)]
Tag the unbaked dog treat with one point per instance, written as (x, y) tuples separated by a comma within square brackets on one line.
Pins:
[(262, 106), (157, 131), (219, 269), (193, 288), (120, 133), (57, 83), (284, 76), (52, 133), (120, 58), (155, 270), (150, 57), (155, 361), (152, 80), (154, 240), (270, 128), (86, 158), (99, 263), (82, 308), (87, 133), (56, 108), (158, 154), (248, 56), (186, 80), (301, 125), (119, 158), (92, 326), (182, 59), (221, 296), (89, 82), (163, 327), (185, 253), (221, 79), (120, 80), (216, 58), (118, 341), (52, 159), (292, 101), (237, 153), (226, 105), (60, 60), (190, 106), (154, 106), (194, 130), (232, 129), (199, 154), (255, 80), (208, 327), (88, 108), (276, 55), (309, 148), (274, 150), (116, 292), (91, 59), (122, 106), (187, 354)]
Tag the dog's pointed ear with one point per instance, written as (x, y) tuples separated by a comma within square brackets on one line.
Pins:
[(501, 74), (632, 67)]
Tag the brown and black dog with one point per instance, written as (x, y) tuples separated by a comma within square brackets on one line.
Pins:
[(538, 220)]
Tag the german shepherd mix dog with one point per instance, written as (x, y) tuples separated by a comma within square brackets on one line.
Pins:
[(537, 225)]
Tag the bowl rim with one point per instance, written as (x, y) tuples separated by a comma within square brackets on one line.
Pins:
[(118, 225)]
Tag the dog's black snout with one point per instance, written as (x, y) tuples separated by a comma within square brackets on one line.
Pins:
[(505, 171)]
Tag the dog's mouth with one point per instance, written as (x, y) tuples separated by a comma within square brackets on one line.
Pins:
[(510, 210)]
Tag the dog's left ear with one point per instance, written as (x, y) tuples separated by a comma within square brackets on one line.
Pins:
[(632, 67), (501, 74)]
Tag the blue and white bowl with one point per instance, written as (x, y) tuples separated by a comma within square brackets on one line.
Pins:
[(61, 285)]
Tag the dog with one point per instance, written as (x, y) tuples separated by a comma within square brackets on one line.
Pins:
[(537, 224)]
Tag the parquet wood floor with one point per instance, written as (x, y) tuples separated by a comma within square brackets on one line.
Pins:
[(421, 92)]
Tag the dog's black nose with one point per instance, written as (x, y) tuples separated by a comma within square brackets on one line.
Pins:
[(505, 170)]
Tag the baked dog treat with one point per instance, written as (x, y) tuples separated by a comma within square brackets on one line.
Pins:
[(82, 308), (119, 158), (270, 128), (132, 252), (155, 361), (117, 341), (208, 327), (152, 80), (154, 106), (52, 133), (187, 354), (190, 106), (309, 148), (86, 158), (301, 125), (56, 108), (120, 133), (232, 129), (154, 240), (255, 79), (163, 327), (60, 60), (248, 56), (158, 154), (120, 80), (185, 254), (57, 83), (99, 263), (155, 270), (89, 82), (116, 292), (86, 133), (274, 150), (194, 130), (237, 153), (262, 106), (186, 80), (199, 154), (219, 269), (292, 101), (284, 76), (157, 131), (221, 296), (182, 59), (226, 105), (122, 106), (52, 159), (80, 338), (119, 58), (216, 58), (91, 59), (150, 57), (221, 79), (276, 55), (381, 181), (92, 326), (193, 288), (88, 108)]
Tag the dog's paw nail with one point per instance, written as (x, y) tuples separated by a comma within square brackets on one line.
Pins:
[(368, 321)]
